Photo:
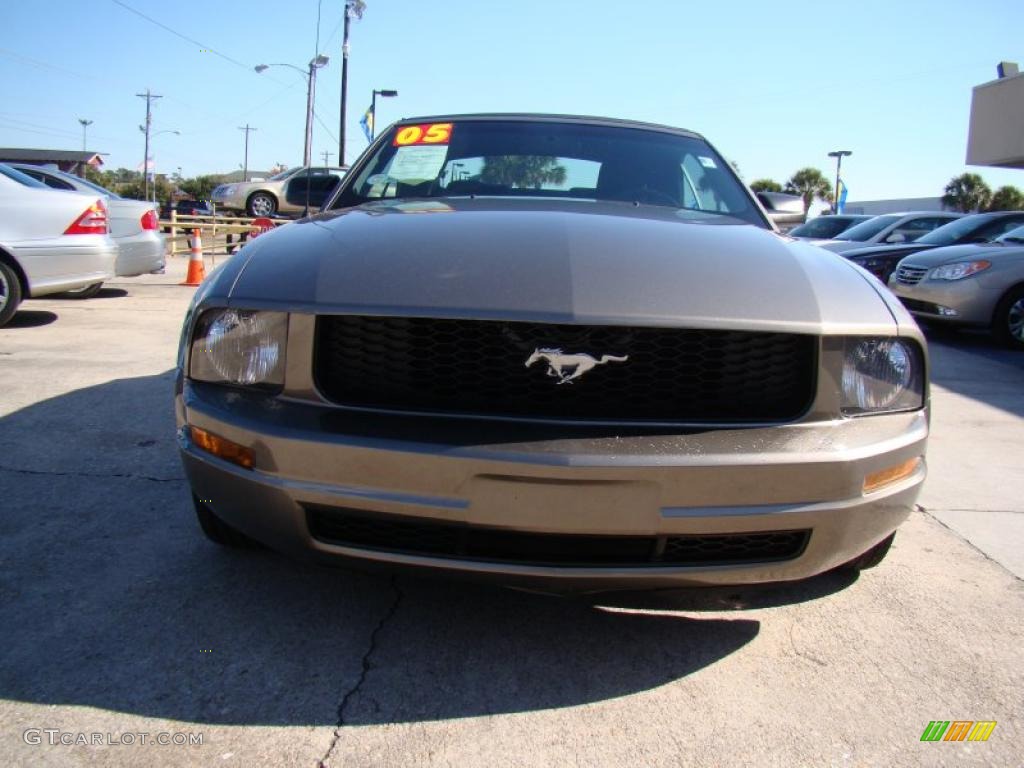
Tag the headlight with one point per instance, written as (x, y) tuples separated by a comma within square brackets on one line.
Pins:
[(881, 375), (959, 270), (232, 346)]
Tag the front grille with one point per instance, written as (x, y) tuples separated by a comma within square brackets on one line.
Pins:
[(402, 535), (479, 368), (910, 275)]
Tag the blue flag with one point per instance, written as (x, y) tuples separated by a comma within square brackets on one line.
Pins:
[(366, 121), (841, 203)]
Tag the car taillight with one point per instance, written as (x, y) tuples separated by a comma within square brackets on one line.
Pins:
[(149, 220), (92, 222)]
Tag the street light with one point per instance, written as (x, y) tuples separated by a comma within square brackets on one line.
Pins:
[(839, 154), (316, 63), (386, 93), (85, 124)]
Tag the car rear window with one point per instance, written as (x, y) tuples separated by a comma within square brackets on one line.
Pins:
[(551, 159), (21, 178)]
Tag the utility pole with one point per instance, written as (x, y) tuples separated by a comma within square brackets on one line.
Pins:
[(352, 8), (325, 155), (245, 167), (145, 158), (85, 125)]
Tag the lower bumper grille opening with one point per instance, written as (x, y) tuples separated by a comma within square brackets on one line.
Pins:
[(915, 305), (401, 535)]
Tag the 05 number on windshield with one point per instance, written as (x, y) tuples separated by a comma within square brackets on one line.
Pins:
[(428, 133)]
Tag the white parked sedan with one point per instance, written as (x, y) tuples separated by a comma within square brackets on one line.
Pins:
[(50, 241), (134, 224)]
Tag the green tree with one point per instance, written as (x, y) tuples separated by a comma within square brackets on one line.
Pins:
[(199, 187), (765, 185), (809, 183), (966, 192), (523, 171), (1006, 198)]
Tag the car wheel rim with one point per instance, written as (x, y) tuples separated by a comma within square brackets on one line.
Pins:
[(5, 291), (1015, 320), (261, 206)]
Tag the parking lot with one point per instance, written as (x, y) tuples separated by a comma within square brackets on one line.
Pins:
[(117, 617)]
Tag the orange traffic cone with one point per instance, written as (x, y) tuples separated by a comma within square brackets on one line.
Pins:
[(196, 268)]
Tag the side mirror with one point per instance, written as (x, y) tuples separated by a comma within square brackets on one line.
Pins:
[(896, 237), (319, 189)]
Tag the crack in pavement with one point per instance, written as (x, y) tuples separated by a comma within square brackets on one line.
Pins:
[(322, 763), (99, 475), (969, 543)]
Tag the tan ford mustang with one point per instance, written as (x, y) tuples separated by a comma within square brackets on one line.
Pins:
[(567, 352)]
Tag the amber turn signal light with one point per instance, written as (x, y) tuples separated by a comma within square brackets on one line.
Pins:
[(877, 480), (221, 447)]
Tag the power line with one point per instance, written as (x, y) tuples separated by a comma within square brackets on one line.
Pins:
[(196, 43)]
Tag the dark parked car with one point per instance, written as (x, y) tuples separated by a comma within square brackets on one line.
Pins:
[(186, 208), (565, 351), (827, 226), (881, 260)]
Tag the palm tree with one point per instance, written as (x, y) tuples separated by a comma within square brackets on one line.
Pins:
[(1007, 198), (809, 183), (765, 185), (966, 192), (523, 171)]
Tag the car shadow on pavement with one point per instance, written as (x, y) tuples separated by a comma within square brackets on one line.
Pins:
[(30, 318), (111, 598), (972, 364), (104, 293)]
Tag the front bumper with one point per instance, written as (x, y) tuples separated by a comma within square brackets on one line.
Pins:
[(973, 302), (549, 479), (235, 201)]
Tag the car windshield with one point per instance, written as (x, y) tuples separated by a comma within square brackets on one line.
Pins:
[(550, 159), (21, 178), (868, 229), (1015, 236), (955, 231), (823, 227), (284, 174)]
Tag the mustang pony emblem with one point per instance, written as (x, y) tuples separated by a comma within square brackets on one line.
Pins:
[(570, 367)]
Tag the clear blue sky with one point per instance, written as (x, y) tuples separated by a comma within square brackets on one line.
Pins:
[(774, 85)]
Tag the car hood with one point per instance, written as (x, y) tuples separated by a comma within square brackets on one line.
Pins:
[(557, 261), (951, 253)]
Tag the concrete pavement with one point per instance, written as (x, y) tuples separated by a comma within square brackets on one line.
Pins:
[(117, 618)]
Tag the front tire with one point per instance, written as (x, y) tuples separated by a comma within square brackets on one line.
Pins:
[(261, 204), (10, 293), (217, 531), (84, 293), (1008, 319)]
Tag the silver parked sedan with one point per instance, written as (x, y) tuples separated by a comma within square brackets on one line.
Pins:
[(50, 241), (968, 285), (134, 226), (558, 351)]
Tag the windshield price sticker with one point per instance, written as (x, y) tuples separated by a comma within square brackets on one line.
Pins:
[(428, 133), (412, 165)]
